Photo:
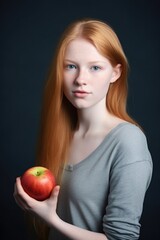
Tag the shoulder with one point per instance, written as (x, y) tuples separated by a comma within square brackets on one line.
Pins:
[(131, 143), (130, 135), (128, 130)]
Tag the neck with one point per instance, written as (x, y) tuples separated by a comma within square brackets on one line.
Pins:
[(93, 119)]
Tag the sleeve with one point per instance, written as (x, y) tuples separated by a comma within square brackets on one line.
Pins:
[(130, 177)]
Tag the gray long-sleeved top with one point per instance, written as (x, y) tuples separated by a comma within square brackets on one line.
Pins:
[(105, 192)]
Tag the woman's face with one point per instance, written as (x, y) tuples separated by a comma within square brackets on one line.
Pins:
[(87, 74)]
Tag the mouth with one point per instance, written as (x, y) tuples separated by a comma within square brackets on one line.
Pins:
[(80, 93)]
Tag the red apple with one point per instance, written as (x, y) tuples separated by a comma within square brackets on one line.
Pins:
[(38, 182)]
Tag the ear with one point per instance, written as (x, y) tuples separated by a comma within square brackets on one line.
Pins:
[(116, 73)]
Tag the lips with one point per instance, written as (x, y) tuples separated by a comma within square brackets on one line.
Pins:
[(80, 93)]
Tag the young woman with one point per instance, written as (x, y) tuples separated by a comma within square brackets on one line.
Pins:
[(97, 152)]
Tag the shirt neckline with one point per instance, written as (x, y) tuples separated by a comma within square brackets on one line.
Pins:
[(71, 167)]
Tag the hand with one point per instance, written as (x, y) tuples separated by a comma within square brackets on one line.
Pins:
[(46, 209)]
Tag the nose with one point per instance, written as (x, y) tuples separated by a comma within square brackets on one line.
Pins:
[(81, 78)]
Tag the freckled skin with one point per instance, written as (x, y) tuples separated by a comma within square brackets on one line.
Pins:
[(87, 74)]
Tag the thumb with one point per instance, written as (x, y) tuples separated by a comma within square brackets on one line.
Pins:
[(54, 196), (55, 192)]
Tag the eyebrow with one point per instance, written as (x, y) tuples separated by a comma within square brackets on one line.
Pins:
[(92, 62)]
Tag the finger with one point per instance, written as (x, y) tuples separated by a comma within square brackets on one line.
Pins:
[(18, 199), (54, 195), (22, 197), (53, 199), (20, 190), (20, 203), (55, 192), (19, 186)]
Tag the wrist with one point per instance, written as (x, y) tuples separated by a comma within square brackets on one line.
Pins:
[(56, 222)]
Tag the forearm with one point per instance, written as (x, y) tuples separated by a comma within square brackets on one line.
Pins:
[(76, 233), (46, 210)]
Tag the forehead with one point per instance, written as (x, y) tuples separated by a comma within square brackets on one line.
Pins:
[(81, 48)]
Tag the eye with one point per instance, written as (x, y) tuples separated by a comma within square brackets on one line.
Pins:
[(70, 66), (95, 68)]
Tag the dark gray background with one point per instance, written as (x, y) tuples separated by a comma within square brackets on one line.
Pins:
[(29, 33)]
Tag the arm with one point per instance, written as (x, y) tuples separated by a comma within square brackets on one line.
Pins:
[(125, 202), (77, 233), (46, 210), (130, 177)]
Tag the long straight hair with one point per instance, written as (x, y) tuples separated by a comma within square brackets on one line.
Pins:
[(59, 117)]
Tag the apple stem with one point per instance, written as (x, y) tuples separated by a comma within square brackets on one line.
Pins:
[(38, 173)]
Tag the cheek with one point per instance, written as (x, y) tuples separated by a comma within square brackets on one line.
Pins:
[(102, 90), (102, 84), (68, 80)]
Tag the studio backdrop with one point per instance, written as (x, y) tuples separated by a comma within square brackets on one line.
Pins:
[(29, 34)]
